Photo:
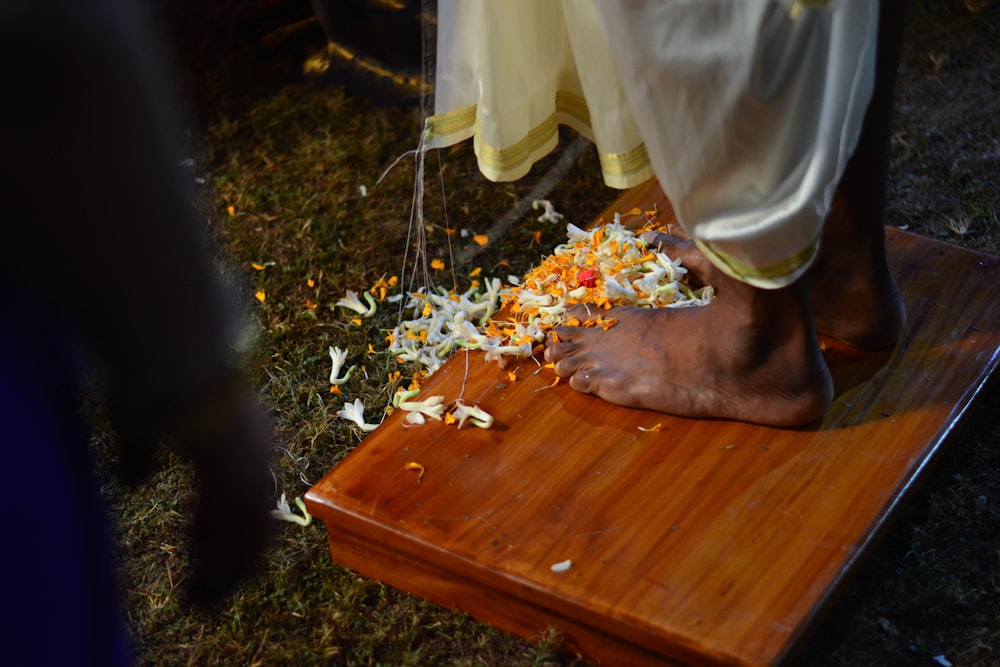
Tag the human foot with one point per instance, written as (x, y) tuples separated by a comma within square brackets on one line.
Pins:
[(750, 355)]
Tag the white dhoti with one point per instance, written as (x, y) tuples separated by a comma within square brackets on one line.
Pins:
[(745, 110)]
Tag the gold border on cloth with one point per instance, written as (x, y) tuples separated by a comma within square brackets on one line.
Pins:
[(620, 170)]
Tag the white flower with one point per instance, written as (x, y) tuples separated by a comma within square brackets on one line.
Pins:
[(285, 513), (550, 214), (339, 357), (352, 302), (433, 407), (474, 414), (355, 412)]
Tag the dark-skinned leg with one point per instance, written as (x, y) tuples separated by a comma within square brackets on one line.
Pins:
[(854, 296)]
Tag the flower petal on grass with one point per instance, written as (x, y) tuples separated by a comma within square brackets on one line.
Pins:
[(352, 302), (338, 357), (355, 412), (284, 512)]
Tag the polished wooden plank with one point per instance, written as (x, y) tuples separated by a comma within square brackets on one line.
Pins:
[(708, 542)]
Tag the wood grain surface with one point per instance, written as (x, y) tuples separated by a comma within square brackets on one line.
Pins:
[(707, 542)]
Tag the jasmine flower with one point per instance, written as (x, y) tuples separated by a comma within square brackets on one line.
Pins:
[(339, 357), (355, 412), (352, 302), (285, 513)]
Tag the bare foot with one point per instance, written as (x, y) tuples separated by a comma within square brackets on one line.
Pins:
[(751, 355)]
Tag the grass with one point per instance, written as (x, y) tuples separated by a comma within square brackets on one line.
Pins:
[(290, 161)]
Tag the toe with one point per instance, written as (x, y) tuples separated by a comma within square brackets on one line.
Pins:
[(556, 352), (583, 381), (568, 365)]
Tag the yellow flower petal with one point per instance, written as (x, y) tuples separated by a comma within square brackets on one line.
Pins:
[(656, 427), (437, 264), (259, 294), (413, 465), (231, 210), (257, 267), (481, 239), (474, 273)]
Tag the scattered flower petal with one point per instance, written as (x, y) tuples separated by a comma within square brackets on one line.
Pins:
[(562, 566), (413, 465), (352, 302), (655, 427), (550, 214), (474, 414), (284, 512), (338, 357), (355, 412)]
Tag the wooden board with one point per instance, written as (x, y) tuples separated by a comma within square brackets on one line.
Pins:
[(709, 542)]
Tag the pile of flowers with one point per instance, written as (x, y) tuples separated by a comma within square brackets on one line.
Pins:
[(601, 268), (604, 267)]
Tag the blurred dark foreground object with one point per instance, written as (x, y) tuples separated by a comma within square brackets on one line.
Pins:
[(107, 270)]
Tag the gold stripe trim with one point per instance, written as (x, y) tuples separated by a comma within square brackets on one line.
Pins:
[(452, 122), (779, 269), (504, 159), (619, 167), (573, 105), (623, 164)]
